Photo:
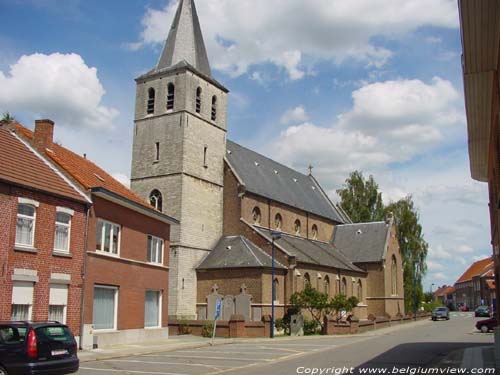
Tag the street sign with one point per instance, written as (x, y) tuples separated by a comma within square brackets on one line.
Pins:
[(218, 306)]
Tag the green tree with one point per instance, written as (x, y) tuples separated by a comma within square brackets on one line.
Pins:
[(341, 303), (360, 198), (7, 117)]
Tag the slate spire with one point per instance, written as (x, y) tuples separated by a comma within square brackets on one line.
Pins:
[(185, 41)]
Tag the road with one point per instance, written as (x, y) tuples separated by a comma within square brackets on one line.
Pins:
[(421, 344)]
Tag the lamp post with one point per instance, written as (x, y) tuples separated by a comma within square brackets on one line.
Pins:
[(416, 266), (275, 235)]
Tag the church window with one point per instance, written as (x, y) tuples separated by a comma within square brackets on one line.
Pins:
[(156, 200), (256, 215), (278, 221), (214, 108), (170, 96), (359, 293), (157, 151), (343, 287), (314, 232), (394, 276), (275, 290), (297, 227), (151, 101), (327, 286), (307, 280), (205, 164), (198, 100)]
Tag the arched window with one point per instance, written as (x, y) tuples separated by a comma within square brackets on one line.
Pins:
[(326, 286), (278, 221), (170, 96), (214, 108), (156, 200), (314, 232), (343, 287), (394, 276), (307, 280), (198, 100), (297, 227), (359, 291), (276, 289), (151, 101), (256, 215)]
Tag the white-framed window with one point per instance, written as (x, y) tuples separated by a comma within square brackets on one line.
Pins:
[(152, 309), (63, 229), (58, 302), (22, 300), (155, 250), (108, 237), (105, 309), (25, 227)]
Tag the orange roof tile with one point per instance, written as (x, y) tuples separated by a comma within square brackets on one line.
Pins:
[(477, 268)]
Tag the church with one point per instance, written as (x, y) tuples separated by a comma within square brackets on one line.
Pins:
[(235, 205)]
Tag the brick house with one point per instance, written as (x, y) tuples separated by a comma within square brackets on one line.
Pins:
[(446, 295), (126, 258), (42, 221), (473, 288)]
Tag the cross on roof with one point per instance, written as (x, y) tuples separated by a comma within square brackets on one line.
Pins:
[(215, 288), (310, 169)]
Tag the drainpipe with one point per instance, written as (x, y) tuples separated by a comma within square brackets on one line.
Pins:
[(84, 269)]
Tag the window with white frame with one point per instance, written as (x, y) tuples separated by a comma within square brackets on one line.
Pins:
[(22, 300), (105, 307), (58, 302), (63, 229), (25, 228), (108, 237), (152, 309), (155, 250)]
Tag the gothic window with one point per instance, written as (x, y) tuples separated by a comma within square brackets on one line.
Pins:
[(343, 287), (307, 280), (297, 227), (275, 289), (156, 200), (170, 96), (205, 164), (327, 286), (198, 100), (314, 232), (151, 101), (278, 221), (359, 291), (214, 108), (256, 215), (394, 276), (157, 151)]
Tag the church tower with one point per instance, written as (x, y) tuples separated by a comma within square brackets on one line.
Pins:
[(178, 151)]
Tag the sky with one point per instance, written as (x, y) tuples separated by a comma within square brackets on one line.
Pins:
[(372, 85)]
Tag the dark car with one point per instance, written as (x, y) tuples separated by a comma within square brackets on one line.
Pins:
[(441, 313), (482, 311), (37, 348), (486, 325)]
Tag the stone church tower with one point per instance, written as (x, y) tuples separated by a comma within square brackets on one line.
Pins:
[(178, 151)]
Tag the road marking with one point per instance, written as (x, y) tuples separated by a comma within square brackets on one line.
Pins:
[(216, 367), (199, 357), (132, 371), (225, 352)]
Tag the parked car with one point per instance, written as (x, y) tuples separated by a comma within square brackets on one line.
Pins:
[(482, 311), (37, 348), (486, 325), (464, 308), (440, 313)]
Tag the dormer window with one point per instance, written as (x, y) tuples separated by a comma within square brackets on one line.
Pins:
[(151, 101), (214, 108), (198, 100), (170, 96)]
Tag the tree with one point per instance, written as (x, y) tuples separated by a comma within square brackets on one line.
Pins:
[(7, 118), (341, 303), (360, 198)]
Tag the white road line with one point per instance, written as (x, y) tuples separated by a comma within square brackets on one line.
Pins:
[(200, 357), (131, 371), (225, 352), (216, 367)]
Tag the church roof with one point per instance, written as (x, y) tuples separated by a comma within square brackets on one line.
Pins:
[(270, 179), (362, 242), (237, 252)]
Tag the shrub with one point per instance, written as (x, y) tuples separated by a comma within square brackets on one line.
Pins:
[(184, 328), (311, 327), (207, 330)]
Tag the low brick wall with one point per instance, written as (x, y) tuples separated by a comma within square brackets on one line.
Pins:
[(387, 321)]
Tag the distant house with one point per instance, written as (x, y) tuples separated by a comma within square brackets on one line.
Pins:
[(473, 288), (127, 250), (446, 295)]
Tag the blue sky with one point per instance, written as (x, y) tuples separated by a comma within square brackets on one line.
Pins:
[(342, 85)]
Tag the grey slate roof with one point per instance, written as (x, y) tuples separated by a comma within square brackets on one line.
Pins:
[(273, 180), (237, 252), (362, 242), (312, 252)]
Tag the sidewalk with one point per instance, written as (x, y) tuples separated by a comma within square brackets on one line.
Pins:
[(470, 358)]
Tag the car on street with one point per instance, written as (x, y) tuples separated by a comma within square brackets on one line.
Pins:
[(482, 311), (37, 348), (486, 325), (440, 313), (464, 308)]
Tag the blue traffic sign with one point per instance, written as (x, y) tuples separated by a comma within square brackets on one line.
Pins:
[(218, 306)]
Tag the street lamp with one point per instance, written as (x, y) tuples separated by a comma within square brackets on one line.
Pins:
[(416, 269), (275, 235)]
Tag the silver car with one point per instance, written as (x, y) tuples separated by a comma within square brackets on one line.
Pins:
[(441, 313)]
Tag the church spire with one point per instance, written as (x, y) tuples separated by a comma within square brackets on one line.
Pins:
[(185, 41)]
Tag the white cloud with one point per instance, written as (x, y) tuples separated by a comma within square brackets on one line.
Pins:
[(438, 276), (122, 178), (464, 249), (57, 86), (285, 32), (434, 266), (294, 115)]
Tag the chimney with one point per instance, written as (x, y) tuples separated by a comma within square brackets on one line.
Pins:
[(44, 134)]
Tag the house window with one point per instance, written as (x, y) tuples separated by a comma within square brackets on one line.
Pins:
[(256, 215), (63, 230), (297, 227), (198, 100), (151, 101), (105, 307), (327, 286), (25, 228), (170, 96), (214, 108), (343, 287), (152, 309), (22, 300), (275, 290), (155, 250), (157, 151), (307, 280), (394, 276), (58, 301), (156, 200), (107, 237), (314, 232), (278, 221)]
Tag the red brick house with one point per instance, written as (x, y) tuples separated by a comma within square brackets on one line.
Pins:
[(127, 250), (42, 222), (473, 287)]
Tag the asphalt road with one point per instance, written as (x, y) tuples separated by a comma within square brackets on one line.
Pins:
[(421, 344)]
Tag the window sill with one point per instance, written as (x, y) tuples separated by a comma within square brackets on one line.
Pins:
[(151, 328), (105, 253), (26, 249), (156, 161), (63, 254)]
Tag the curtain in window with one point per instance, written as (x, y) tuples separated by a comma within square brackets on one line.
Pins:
[(56, 312), (104, 308), (61, 237), (20, 312), (152, 309), (24, 231)]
